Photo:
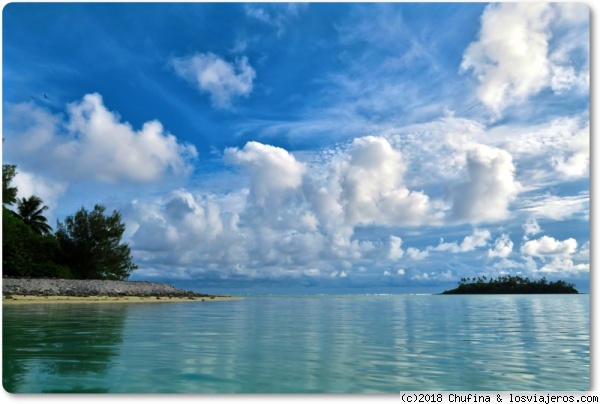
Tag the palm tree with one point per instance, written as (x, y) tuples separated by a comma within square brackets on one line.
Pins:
[(9, 194), (30, 210)]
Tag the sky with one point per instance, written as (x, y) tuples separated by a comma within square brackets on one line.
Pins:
[(311, 147)]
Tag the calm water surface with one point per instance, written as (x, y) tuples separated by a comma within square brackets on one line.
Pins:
[(301, 344)]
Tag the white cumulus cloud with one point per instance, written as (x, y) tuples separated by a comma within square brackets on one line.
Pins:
[(416, 254), (490, 188), (502, 247), (372, 188), (516, 54), (479, 238), (94, 144), (549, 246), (560, 265), (224, 81), (274, 174), (183, 229), (395, 251)]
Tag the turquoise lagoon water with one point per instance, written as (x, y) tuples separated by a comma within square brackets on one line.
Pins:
[(301, 344)]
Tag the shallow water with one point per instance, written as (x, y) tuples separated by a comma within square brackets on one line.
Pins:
[(301, 344)]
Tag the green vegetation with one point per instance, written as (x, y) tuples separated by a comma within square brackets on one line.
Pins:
[(9, 194), (92, 247), (86, 246), (26, 253), (510, 285)]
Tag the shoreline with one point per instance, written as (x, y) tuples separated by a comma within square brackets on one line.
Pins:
[(31, 299), (39, 290)]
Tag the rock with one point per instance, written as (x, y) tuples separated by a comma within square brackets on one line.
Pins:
[(85, 288)]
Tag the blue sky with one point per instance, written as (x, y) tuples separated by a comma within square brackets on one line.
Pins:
[(311, 148)]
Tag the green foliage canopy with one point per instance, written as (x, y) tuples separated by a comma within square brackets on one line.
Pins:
[(87, 246), (91, 245), (28, 254)]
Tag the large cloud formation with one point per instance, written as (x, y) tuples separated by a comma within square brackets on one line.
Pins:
[(365, 185), (93, 144), (297, 216), (292, 215), (516, 55)]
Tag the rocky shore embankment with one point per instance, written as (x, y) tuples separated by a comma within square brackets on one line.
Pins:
[(89, 288)]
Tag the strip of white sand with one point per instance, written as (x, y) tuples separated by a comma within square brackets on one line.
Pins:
[(20, 299)]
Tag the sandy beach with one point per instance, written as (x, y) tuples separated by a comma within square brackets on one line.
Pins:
[(30, 291), (10, 300)]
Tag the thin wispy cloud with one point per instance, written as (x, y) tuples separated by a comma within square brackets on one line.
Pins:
[(275, 15)]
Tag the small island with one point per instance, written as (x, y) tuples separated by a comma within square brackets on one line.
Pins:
[(510, 285)]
